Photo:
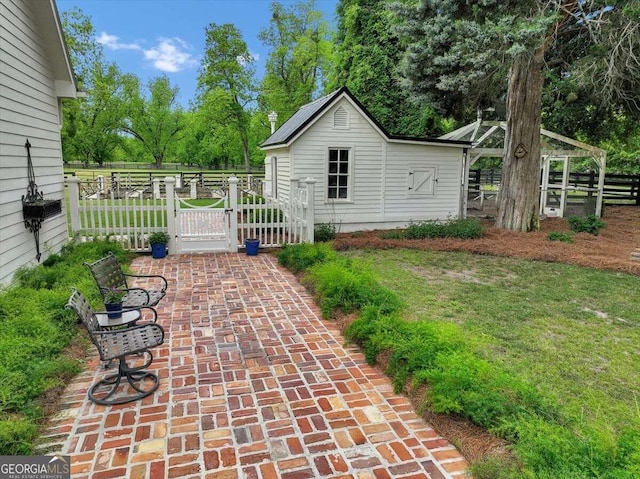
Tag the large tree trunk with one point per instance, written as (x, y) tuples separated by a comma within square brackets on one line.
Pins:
[(520, 185)]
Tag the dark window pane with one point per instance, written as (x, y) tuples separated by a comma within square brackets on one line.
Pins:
[(344, 168), (343, 181), (333, 167), (333, 181), (332, 193), (333, 155), (343, 193), (344, 155)]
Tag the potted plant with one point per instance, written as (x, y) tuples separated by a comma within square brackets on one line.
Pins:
[(158, 242), (113, 303)]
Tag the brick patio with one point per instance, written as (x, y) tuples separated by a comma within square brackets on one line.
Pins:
[(253, 385)]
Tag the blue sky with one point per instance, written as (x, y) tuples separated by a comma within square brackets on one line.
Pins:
[(154, 37)]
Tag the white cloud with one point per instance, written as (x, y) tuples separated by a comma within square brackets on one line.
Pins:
[(170, 55), (113, 42)]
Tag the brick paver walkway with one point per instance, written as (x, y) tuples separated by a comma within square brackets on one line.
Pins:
[(253, 385)]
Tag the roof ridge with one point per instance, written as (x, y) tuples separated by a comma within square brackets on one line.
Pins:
[(322, 98)]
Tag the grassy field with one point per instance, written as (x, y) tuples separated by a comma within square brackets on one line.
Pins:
[(573, 332)]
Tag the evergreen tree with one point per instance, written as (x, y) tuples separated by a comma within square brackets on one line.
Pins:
[(368, 52), (464, 52)]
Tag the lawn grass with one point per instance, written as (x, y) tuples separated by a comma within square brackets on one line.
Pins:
[(573, 332), (539, 354)]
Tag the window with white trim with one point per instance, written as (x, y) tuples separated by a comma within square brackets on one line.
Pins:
[(339, 171)]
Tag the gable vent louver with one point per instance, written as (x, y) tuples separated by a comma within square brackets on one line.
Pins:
[(340, 118)]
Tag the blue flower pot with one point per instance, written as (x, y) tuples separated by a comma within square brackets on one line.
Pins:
[(114, 310), (158, 250), (252, 246)]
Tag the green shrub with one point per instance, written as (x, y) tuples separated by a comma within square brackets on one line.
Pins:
[(17, 436), (35, 329), (341, 286), (300, 257), (586, 224), (324, 232), (547, 441), (159, 237), (564, 237), (392, 234), (466, 228), (461, 382), (374, 332)]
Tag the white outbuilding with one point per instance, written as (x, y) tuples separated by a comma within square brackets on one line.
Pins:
[(365, 178)]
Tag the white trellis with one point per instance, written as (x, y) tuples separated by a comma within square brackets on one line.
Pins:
[(487, 140)]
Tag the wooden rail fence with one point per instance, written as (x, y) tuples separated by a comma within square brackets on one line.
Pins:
[(617, 188)]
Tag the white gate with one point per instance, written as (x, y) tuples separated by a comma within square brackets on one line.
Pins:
[(553, 195), (202, 228), (216, 227)]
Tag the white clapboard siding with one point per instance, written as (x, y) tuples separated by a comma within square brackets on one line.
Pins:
[(366, 147), (393, 180), (440, 202), (284, 171), (28, 110)]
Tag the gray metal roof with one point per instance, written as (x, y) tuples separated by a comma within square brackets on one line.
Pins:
[(307, 113), (299, 120)]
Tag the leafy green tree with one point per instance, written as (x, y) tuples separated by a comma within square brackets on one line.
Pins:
[(91, 124), (367, 54), (192, 145), (461, 52), (154, 120), (227, 72), (299, 57)]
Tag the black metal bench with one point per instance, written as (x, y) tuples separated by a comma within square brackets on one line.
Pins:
[(133, 342), (108, 274)]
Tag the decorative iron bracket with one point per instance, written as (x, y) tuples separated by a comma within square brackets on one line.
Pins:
[(34, 207)]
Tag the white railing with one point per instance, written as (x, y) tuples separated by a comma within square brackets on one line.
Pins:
[(128, 220), (274, 221)]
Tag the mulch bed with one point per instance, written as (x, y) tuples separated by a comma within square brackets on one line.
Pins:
[(610, 250)]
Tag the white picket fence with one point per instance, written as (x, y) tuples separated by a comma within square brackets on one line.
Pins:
[(130, 220), (274, 221)]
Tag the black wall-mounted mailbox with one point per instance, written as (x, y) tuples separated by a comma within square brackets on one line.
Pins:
[(41, 209)]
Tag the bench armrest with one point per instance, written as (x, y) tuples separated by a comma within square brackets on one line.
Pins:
[(162, 278)]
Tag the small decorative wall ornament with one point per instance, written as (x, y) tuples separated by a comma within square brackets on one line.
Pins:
[(521, 151), (34, 207)]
